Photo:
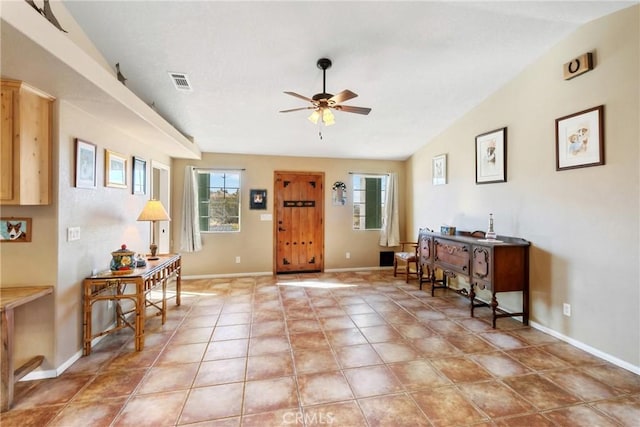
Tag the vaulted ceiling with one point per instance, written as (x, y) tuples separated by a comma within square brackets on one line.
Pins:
[(419, 65)]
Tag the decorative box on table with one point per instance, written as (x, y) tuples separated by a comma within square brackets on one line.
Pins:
[(122, 261), (449, 230)]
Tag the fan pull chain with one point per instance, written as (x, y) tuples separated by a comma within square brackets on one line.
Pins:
[(320, 129)]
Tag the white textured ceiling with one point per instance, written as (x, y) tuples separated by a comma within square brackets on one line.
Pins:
[(419, 65)]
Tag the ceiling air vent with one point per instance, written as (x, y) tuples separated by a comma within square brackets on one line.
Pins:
[(181, 81)]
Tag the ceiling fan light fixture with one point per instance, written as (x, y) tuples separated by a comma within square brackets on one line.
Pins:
[(313, 118), (327, 117), (322, 103)]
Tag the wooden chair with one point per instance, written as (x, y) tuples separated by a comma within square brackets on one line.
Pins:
[(407, 257)]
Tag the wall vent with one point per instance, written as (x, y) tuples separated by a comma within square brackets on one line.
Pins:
[(181, 81)]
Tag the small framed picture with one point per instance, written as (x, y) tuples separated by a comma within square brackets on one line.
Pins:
[(491, 157), (85, 173), (139, 176), (15, 230), (258, 199), (439, 169), (580, 139), (115, 169)]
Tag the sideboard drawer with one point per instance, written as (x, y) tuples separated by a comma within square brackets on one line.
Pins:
[(452, 254)]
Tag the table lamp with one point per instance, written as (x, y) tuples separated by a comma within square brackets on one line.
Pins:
[(153, 211)]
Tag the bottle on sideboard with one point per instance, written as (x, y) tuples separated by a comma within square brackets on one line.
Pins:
[(491, 234)]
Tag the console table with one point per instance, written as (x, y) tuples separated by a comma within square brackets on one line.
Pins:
[(498, 266), (110, 286), (11, 298)]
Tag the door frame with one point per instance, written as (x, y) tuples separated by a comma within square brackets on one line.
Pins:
[(161, 190), (275, 215)]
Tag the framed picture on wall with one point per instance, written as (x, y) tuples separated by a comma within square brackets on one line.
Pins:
[(491, 156), (115, 169), (139, 176), (580, 139), (439, 169), (85, 173), (258, 199), (15, 230)]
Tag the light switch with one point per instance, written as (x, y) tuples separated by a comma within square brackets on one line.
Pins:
[(73, 233)]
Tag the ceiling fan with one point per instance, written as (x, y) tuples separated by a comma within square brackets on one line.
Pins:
[(323, 103)]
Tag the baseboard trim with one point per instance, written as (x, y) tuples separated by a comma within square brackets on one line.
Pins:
[(342, 270), (225, 275), (582, 346), (270, 273), (54, 373)]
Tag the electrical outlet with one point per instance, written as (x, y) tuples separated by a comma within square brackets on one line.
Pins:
[(237, 260), (566, 309), (348, 255)]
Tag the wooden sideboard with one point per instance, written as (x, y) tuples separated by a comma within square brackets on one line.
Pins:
[(497, 266), (109, 286)]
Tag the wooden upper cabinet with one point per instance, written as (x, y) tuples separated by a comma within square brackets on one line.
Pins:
[(25, 147)]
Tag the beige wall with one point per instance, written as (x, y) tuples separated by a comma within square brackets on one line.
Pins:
[(254, 244), (107, 218), (582, 223)]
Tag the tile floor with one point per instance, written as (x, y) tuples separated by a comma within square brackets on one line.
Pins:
[(340, 349)]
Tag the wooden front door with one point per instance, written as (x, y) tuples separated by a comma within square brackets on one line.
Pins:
[(299, 222)]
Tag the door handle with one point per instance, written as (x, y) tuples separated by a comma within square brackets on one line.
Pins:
[(281, 229)]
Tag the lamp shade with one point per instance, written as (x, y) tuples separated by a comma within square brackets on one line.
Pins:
[(154, 211), (327, 117), (314, 117)]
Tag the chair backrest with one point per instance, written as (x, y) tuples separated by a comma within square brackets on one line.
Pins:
[(407, 246)]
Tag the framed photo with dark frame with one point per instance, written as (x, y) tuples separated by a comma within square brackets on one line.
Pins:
[(580, 139), (85, 172), (439, 169), (15, 230), (115, 169), (491, 156), (258, 199), (139, 176)]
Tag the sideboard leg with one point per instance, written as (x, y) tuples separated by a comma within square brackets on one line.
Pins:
[(472, 297), (494, 306)]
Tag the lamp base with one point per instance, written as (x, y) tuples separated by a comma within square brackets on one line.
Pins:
[(154, 250)]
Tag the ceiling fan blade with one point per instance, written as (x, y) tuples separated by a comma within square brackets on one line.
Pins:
[(350, 109), (345, 95), (298, 109), (299, 96)]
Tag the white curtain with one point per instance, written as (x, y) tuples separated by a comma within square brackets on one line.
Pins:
[(390, 232), (190, 238)]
